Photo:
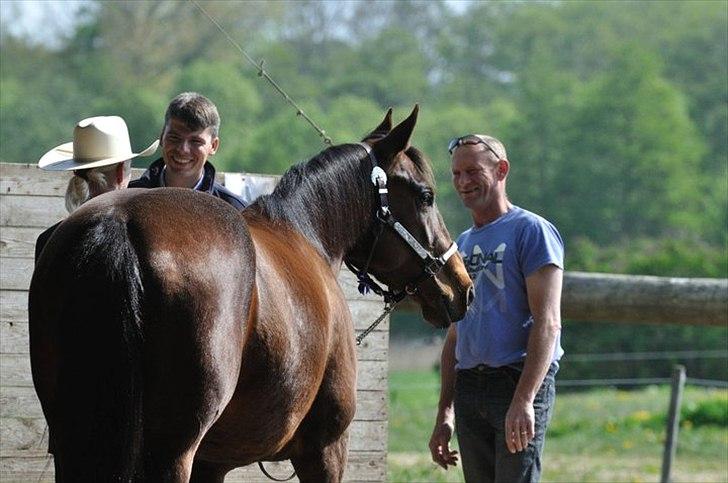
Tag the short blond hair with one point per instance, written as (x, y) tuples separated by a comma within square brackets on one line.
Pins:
[(495, 145)]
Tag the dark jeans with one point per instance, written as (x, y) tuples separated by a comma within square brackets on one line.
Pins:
[(482, 398)]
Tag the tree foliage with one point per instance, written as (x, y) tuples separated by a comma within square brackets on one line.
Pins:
[(615, 114)]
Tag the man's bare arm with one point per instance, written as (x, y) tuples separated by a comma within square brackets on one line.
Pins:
[(544, 299), (445, 421)]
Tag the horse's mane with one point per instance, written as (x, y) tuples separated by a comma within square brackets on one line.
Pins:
[(313, 195), (329, 198)]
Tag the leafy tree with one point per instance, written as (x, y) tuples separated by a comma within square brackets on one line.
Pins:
[(391, 70), (628, 171), (350, 118), (282, 141), (467, 70), (540, 136), (39, 102), (615, 114)]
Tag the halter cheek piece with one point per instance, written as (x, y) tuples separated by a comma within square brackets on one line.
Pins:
[(431, 264)]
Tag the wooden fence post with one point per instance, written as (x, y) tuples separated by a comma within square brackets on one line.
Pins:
[(673, 421)]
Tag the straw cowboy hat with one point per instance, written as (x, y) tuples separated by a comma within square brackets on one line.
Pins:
[(97, 141)]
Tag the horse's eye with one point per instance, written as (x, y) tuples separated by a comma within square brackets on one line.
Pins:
[(427, 198)]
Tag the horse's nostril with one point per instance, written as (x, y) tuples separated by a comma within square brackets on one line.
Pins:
[(470, 296)]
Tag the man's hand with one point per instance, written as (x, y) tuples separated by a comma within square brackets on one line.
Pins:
[(445, 422), (520, 421), (440, 445)]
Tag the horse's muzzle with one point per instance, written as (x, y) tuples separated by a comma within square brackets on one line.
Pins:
[(469, 296)]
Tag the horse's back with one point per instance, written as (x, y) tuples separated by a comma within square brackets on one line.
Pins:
[(182, 245)]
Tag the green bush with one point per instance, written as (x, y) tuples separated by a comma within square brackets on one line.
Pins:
[(666, 257), (709, 412)]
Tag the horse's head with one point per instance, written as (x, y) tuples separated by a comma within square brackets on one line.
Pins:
[(409, 248)]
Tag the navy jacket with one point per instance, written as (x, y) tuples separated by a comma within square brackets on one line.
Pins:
[(152, 178)]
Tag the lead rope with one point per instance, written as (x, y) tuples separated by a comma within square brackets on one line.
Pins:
[(260, 464), (388, 308), (45, 468), (49, 456)]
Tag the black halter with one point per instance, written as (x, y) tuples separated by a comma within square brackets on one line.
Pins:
[(431, 264)]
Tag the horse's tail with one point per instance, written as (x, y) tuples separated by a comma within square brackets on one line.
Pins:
[(100, 380)]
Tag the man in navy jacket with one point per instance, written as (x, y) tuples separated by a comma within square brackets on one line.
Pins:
[(189, 137)]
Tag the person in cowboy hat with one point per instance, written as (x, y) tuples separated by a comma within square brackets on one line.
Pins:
[(188, 139), (100, 157)]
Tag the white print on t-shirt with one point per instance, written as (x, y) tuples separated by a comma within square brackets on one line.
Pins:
[(490, 266)]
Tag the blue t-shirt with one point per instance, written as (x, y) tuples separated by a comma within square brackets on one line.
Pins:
[(499, 256)]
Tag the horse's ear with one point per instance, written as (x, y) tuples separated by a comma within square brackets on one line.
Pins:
[(397, 140), (383, 129), (386, 125)]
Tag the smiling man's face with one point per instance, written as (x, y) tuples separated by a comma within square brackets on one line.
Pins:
[(185, 151), (475, 176)]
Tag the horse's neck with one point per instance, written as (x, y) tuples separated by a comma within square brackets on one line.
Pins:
[(340, 220), (332, 218)]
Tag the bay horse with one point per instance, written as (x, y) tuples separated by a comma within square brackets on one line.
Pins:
[(174, 338)]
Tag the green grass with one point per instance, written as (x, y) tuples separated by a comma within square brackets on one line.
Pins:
[(596, 435)]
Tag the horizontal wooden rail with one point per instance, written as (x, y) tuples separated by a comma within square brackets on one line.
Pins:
[(640, 298), (605, 297)]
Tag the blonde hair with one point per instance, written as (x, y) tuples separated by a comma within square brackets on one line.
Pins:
[(87, 183)]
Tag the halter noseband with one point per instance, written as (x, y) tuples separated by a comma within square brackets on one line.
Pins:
[(431, 264)]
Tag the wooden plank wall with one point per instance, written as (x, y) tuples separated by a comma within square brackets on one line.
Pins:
[(30, 201)]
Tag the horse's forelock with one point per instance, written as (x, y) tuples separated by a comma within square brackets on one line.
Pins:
[(421, 164)]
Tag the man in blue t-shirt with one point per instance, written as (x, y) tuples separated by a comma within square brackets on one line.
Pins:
[(498, 363)]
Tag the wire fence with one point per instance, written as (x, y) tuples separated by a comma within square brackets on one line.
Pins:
[(642, 356), (645, 356), (431, 357), (647, 381)]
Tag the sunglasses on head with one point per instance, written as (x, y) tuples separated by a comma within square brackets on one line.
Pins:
[(471, 139)]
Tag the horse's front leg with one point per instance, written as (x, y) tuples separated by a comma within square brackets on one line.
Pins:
[(324, 436), (322, 464), (204, 472)]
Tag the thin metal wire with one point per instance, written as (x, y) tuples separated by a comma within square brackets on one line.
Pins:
[(262, 73), (709, 383), (646, 356), (706, 382), (299, 112), (639, 382), (647, 381)]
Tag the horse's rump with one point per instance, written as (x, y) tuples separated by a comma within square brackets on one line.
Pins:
[(90, 268), (123, 289)]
